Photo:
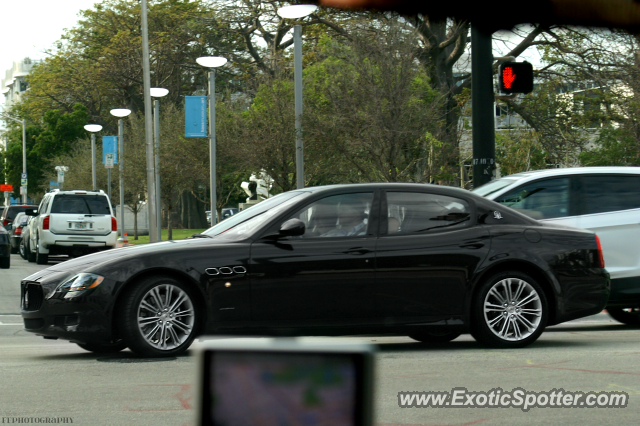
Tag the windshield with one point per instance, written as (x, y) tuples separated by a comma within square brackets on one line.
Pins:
[(81, 204), (243, 224), (493, 186)]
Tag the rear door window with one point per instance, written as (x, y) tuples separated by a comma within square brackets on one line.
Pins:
[(608, 193), (412, 213), (543, 199), (80, 204)]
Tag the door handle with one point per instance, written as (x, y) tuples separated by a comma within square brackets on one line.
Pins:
[(357, 250), (474, 245)]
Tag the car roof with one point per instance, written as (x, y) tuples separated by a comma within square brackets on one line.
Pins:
[(385, 186), (575, 171)]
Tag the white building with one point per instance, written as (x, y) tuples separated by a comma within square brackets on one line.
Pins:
[(14, 84)]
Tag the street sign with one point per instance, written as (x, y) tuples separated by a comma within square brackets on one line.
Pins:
[(195, 116), (109, 144), (60, 176), (108, 160), (7, 194), (23, 176), (516, 77), (23, 182), (6, 188), (23, 190)]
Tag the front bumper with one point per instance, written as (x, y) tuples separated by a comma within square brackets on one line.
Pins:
[(79, 319)]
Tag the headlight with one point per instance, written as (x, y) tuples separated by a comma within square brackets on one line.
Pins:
[(81, 282)]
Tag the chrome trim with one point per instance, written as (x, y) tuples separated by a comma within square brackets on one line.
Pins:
[(225, 270), (212, 271), (239, 269)]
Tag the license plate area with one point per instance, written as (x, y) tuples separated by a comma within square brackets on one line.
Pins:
[(81, 226)]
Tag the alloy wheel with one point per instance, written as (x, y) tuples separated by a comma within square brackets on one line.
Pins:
[(166, 317), (512, 309)]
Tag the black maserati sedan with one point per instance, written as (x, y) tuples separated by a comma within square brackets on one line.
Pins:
[(426, 261)]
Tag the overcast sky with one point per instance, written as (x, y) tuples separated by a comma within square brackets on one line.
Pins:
[(28, 27)]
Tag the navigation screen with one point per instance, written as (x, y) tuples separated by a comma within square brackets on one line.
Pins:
[(282, 389)]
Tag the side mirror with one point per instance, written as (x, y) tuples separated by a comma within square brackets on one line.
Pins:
[(31, 212), (292, 228)]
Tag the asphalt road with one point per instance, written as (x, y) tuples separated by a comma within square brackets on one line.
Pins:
[(56, 379)]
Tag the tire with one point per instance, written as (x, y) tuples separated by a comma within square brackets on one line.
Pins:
[(142, 329), (104, 348), (22, 249), (41, 258), (500, 319), (435, 336), (630, 316), (5, 262), (31, 256)]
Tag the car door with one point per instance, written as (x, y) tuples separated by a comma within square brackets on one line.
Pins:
[(428, 248), (610, 206), (327, 273)]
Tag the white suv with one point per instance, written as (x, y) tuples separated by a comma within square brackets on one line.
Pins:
[(605, 200), (72, 223)]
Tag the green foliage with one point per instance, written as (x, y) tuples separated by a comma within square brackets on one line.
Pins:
[(614, 147), (519, 151)]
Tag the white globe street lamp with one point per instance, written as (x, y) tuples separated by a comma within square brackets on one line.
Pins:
[(298, 11), (121, 113), (93, 129), (212, 62), (157, 92)]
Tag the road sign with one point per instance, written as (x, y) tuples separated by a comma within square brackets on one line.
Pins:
[(23, 176), (23, 190), (516, 77), (6, 188), (23, 182), (108, 160)]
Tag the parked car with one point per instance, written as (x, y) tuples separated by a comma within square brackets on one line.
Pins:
[(227, 212), (426, 261), (605, 200), (10, 212), (15, 233), (5, 248), (73, 223)]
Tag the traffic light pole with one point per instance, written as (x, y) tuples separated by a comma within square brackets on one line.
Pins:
[(483, 114)]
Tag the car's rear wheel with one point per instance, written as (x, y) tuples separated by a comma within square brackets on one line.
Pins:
[(509, 311), (158, 317), (41, 258), (630, 316), (104, 348), (5, 262), (435, 336)]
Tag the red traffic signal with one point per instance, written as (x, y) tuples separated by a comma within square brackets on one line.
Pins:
[(516, 77)]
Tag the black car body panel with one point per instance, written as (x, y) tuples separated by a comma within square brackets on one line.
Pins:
[(376, 282)]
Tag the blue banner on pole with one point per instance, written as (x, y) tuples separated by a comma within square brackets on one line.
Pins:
[(195, 116), (110, 146)]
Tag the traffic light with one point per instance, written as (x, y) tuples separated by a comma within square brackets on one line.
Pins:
[(516, 77)]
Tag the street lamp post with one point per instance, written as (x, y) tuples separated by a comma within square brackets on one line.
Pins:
[(93, 128), (23, 192), (212, 62), (296, 12), (157, 92), (121, 113)]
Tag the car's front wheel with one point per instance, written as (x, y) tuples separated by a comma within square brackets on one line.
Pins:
[(435, 336), (630, 316), (510, 311), (104, 348), (158, 317), (22, 248)]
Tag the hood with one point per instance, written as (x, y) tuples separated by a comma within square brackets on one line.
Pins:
[(130, 252)]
